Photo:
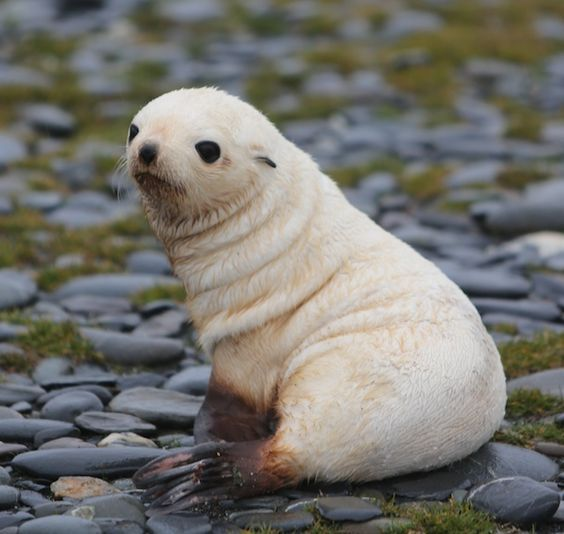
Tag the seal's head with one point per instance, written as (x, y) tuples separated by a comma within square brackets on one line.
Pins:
[(194, 152)]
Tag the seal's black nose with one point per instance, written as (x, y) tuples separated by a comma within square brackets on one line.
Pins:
[(148, 153)]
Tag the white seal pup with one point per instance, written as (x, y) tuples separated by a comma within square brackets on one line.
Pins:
[(339, 353)]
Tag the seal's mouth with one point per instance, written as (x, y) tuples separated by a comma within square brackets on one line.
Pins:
[(147, 178)]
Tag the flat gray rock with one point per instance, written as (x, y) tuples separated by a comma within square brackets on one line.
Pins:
[(517, 500), (544, 310), (106, 422), (158, 406), (59, 524), (120, 505), (148, 262), (179, 523), (25, 430), (16, 289), (549, 382), (192, 380), (277, 521), (67, 406), (49, 119), (112, 285), (12, 393), (110, 462), (347, 509), (92, 305), (126, 349)]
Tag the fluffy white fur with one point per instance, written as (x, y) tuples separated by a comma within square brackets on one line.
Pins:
[(376, 362)]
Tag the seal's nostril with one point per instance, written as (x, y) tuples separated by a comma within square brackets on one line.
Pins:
[(148, 153)]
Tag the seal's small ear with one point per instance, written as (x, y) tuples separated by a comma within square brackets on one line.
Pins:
[(268, 161)]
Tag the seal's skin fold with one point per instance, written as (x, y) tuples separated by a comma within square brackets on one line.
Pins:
[(339, 349)]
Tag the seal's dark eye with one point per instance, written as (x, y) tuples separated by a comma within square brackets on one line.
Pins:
[(208, 150), (133, 131)]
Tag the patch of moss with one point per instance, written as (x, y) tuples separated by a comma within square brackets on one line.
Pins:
[(526, 356), (342, 57), (349, 176), (46, 339), (132, 226), (515, 177), (523, 122), (167, 292), (526, 434), (505, 328), (266, 83), (50, 278), (426, 184), (443, 518), (532, 404)]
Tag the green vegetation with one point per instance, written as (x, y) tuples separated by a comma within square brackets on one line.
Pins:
[(46, 339), (441, 518), (532, 404), (167, 292), (522, 357), (525, 434), (349, 176), (426, 184), (523, 122), (50, 278), (515, 177)]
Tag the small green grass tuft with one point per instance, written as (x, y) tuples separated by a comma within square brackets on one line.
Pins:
[(349, 176), (526, 434), (426, 184), (505, 328), (524, 356), (441, 518), (523, 122), (45, 339), (50, 278), (515, 177), (169, 292), (532, 404)]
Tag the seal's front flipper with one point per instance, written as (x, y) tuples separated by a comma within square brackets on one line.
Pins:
[(211, 472)]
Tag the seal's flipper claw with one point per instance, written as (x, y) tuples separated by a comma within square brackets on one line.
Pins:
[(204, 474)]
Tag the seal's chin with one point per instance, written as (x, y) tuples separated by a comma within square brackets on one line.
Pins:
[(145, 179)]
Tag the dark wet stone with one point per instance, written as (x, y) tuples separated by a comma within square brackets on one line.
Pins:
[(161, 407), (549, 382), (120, 505), (119, 526), (347, 509), (127, 349), (9, 413), (32, 498), (25, 430), (95, 379), (16, 289), (9, 331), (543, 310), (171, 323), (192, 380), (559, 420), (52, 508), (479, 173), (282, 521), (92, 305), (148, 262), (4, 476), (22, 407), (156, 307), (49, 119), (517, 500), (110, 462), (67, 406), (105, 422), (493, 460), (112, 285), (9, 450), (64, 443), (122, 322), (146, 379), (179, 523), (11, 149), (9, 497), (550, 286), (268, 502), (60, 524), (101, 392), (49, 368), (13, 519), (486, 282), (12, 393), (550, 449)]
